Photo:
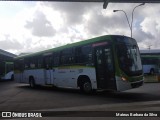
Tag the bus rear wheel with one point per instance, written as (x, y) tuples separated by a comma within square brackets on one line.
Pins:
[(12, 77), (32, 82), (152, 71), (86, 87)]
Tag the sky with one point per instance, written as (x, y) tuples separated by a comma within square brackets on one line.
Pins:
[(31, 26)]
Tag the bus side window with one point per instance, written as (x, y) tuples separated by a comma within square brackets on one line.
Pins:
[(26, 63), (67, 56), (31, 62), (40, 62), (19, 65), (48, 62), (55, 59), (83, 54), (78, 54)]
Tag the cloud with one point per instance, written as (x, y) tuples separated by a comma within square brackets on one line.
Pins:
[(51, 24), (99, 24), (10, 44), (40, 26), (151, 26), (90, 16), (71, 12)]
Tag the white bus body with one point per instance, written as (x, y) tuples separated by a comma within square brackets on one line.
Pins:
[(88, 65)]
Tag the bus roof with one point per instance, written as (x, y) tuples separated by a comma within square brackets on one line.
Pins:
[(154, 53), (150, 56), (150, 51), (67, 46), (92, 40)]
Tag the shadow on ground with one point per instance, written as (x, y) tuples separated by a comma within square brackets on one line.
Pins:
[(127, 96)]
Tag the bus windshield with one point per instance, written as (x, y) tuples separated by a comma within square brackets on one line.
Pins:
[(129, 57)]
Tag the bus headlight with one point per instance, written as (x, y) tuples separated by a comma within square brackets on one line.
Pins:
[(124, 79)]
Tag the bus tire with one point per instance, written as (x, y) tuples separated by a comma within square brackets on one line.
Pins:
[(32, 82), (12, 77), (86, 87), (151, 71)]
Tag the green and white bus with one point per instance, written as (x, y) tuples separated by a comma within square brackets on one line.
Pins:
[(6, 70), (150, 61), (107, 62), (6, 65)]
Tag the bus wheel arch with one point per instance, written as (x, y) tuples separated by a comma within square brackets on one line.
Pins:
[(32, 82), (85, 84)]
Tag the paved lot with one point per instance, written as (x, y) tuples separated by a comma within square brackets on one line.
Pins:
[(20, 97), (15, 96)]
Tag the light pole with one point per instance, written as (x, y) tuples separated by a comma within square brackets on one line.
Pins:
[(126, 18), (130, 25), (132, 15)]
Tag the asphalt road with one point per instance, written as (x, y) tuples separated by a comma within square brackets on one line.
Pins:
[(20, 97)]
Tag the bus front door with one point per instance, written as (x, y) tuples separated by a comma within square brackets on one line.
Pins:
[(48, 69), (104, 68)]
